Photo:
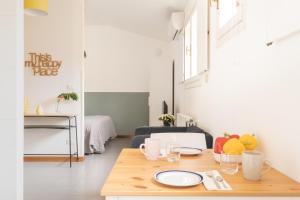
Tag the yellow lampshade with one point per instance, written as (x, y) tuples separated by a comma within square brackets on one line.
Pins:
[(36, 7)]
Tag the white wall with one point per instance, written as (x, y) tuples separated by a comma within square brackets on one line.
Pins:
[(121, 61), (252, 88), (11, 86), (60, 34), (160, 85)]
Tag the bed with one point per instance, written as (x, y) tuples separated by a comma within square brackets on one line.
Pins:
[(98, 130)]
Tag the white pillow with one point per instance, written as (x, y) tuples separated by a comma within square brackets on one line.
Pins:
[(183, 139)]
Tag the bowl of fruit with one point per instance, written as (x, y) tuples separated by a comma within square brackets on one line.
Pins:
[(233, 146)]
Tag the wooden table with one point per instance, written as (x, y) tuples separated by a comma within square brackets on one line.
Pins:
[(131, 179), (67, 126)]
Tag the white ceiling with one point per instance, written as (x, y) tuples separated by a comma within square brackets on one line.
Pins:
[(146, 17)]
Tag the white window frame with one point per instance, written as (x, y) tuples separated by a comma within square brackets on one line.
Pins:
[(202, 52), (233, 26), (191, 45)]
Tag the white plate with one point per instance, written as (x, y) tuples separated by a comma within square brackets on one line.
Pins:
[(188, 151), (178, 178)]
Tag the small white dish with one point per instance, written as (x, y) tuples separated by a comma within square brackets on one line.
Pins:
[(178, 178), (188, 151)]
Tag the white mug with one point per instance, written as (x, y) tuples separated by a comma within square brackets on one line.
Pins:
[(252, 164), (151, 148)]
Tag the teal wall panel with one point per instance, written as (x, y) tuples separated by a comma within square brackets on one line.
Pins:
[(128, 110)]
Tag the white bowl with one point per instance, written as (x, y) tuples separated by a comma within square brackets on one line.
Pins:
[(230, 158)]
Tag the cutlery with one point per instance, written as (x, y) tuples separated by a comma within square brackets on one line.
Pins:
[(221, 180), (210, 175)]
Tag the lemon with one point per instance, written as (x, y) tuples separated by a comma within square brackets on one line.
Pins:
[(249, 141), (233, 147)]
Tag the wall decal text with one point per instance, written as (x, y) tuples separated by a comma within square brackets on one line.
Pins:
[(43, 64)]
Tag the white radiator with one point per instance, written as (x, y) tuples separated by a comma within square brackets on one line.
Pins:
[(182, 119)]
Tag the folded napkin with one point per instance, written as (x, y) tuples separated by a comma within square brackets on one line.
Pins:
[(211, 183)]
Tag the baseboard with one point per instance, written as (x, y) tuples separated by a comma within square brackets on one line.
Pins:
[(52, 159)]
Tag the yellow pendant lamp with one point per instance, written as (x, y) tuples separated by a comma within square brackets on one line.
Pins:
[(36, 7)]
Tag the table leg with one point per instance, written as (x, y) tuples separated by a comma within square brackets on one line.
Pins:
[(76, 138), (70, 143)]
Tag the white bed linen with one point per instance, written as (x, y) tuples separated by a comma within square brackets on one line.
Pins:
[(98, 130)]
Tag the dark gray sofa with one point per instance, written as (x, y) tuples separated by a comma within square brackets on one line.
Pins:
[(141, 133)]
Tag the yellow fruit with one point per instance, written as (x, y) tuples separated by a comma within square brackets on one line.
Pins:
[(233, 147), (249, 141)]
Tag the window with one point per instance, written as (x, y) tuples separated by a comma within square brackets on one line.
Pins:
[(190, 47), (229, 16), (195, 51)]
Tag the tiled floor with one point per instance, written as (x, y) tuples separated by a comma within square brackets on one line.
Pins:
[(53, 181)]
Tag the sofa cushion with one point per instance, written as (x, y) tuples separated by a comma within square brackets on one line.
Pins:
[(158, 129), (146, 130), (194, 129)]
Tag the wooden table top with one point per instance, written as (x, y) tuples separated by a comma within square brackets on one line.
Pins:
[(132, 175)]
